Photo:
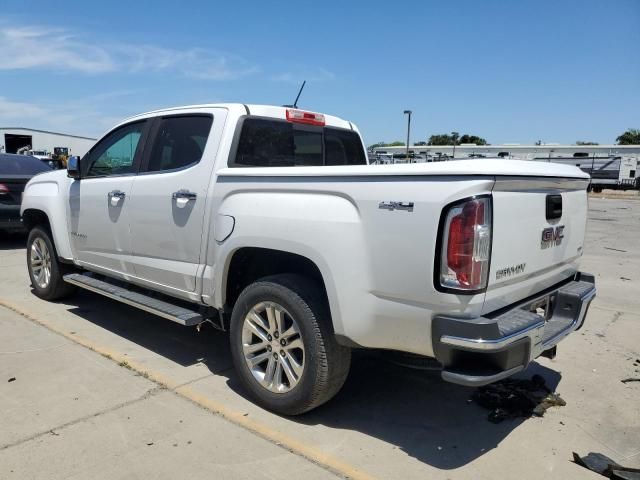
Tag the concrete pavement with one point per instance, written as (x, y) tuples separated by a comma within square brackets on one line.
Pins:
[(388, 422), (71, 413)]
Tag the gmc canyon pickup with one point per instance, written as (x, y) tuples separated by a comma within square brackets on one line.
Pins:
[(269, 223)]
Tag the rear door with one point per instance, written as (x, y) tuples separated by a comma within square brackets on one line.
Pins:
[(170, 198), (538, 234), (100, 203)]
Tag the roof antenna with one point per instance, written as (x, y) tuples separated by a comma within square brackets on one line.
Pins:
[(295, 103)]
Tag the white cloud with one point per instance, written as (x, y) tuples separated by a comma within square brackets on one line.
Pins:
[(193, 62), (81, 117), (44, 48), (33, 47), (310, 75), (14, 111)]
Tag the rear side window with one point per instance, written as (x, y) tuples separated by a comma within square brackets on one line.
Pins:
[(276, 143), (343, 147), (179, 142), (21, 165)]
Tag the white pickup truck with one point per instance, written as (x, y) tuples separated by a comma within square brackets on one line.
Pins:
[(268, 222)]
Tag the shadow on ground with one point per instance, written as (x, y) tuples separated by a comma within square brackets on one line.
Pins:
[(414, 410)]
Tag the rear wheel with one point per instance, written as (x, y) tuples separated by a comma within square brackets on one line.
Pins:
[(45, 270), (283, 347)]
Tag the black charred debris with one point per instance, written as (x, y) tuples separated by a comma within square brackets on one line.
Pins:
[(513, 398)]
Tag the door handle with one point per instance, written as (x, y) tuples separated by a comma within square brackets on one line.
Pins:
[(182, 197), (115, 196), (186, 194)]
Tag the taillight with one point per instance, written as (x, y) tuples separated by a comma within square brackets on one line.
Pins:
[(308, 118), (466, 245), (4, 190)]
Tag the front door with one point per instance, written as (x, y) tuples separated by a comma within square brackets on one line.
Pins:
[(99, 203), (169, 199)]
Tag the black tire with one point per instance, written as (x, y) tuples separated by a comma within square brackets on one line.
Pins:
[(56, 288), (326, 363)]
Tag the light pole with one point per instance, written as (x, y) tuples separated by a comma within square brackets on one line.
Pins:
[(454, 135), (408, 113)]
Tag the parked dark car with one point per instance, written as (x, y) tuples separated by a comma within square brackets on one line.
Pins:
[(15, 172)]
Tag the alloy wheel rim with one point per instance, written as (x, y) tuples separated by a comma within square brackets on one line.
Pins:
[(272, 347), (40, 260)]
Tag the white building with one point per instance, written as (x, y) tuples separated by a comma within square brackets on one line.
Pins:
[(14, 138), (515, 151)]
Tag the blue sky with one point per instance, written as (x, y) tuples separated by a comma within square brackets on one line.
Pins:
[(510, 71)]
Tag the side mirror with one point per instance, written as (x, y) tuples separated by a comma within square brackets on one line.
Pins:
[(73, 167)]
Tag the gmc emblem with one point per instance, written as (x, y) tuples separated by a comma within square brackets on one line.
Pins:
[(552, 236)]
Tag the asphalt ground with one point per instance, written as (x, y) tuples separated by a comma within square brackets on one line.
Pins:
[(103, 390)]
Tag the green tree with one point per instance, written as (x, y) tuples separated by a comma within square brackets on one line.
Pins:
[(630, 137), (442, 139), (466, 138), (455, 139)]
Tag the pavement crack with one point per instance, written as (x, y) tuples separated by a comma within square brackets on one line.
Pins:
[(57, 429)]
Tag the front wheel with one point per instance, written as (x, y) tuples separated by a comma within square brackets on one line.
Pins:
[(283, 347), (45, 270)]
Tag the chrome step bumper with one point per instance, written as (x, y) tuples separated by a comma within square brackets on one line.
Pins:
[(486, 349)]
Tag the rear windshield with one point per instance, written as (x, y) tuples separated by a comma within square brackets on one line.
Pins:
[(21, 165), (277, 143)]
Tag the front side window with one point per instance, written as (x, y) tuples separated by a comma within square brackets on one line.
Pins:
[(179, 142), (115, 154), (277, 143)]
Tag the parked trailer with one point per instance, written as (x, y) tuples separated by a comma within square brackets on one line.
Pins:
[(613, 172)]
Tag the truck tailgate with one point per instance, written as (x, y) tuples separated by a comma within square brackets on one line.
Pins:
[(538, 233)]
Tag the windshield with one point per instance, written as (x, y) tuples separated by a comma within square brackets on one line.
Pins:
[(21, 165)]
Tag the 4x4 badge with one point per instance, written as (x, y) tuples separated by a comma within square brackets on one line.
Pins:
[(391, 206)]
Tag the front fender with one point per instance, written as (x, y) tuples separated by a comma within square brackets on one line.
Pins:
[(47, 193)]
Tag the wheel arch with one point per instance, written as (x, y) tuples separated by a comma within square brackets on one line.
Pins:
[(33, 217), (247, 264)]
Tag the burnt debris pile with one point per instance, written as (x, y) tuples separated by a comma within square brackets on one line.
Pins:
[(513, 398)]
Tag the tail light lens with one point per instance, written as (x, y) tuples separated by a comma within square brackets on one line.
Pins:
[(4, 190), (466, 245)]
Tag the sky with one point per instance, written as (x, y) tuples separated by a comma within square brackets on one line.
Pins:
[(508, 71)]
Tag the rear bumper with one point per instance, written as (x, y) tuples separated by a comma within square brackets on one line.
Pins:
[(483, 350)]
